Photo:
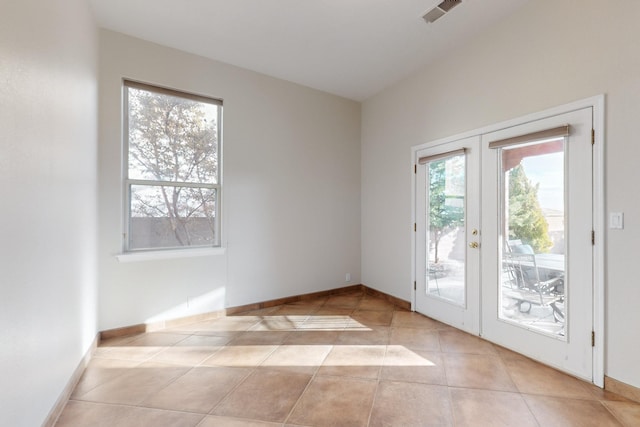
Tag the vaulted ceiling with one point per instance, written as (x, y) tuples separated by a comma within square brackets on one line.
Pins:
[(351, 48)]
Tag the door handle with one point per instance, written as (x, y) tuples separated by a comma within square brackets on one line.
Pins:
[(474, 245)]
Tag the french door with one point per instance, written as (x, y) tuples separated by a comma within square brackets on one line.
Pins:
[(538, 263), (447, 233), (503, 244)]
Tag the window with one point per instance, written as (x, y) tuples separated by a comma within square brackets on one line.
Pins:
[(172, 169)]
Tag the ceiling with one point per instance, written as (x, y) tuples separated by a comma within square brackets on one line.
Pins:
[(351, 48)]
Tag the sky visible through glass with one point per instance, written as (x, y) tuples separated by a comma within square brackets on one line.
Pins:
[(548, 171)]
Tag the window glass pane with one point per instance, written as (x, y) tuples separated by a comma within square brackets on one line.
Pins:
[(445, 229), (167, 216), (172, 138), (533, 242)]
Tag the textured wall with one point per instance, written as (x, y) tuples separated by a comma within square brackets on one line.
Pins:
[(48, 171)]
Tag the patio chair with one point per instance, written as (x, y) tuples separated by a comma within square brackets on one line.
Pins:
[(524, 274)]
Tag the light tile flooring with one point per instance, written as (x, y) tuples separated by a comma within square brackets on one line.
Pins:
[(345, 360)]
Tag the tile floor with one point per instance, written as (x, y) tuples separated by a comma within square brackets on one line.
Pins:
[(345, 360)]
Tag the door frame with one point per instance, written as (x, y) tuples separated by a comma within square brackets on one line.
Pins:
[(597, 103)]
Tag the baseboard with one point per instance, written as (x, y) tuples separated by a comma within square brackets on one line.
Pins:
[(295, 298), (57, 409), (160, 325), (623, 389), (156, 326), (390, 298)]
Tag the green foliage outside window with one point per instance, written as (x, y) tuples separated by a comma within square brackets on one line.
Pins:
[(446, 211), (526, 221)]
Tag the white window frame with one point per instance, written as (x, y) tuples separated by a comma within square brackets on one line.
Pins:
[(141, 254)]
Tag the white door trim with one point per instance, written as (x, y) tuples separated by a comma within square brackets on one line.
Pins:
[(599, 261), (599, 222)]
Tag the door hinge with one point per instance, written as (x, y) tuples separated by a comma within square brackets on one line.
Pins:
[(593, 339), (593, 237), (415, 168), (415, 285), (415, 227), (593, 136)]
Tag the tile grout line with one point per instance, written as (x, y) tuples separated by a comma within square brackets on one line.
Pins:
[(226, 396), (140, 404), (446, 379), (200, 364), (530, 410), (140, 362), (451, 408), (444, 362), (252, 371), (77, 398), (132, 406), (615, 417), (255, 368), (315, 374), (379, 379), (313, 377)]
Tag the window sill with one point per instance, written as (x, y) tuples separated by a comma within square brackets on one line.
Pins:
[(169, 254)]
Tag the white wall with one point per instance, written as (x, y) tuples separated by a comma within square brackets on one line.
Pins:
[(48, 168), (549, 53), (291, 207)]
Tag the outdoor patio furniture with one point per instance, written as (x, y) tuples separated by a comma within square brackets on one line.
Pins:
[(532, 278)]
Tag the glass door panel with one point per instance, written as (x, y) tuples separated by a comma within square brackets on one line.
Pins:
[(533, 238), (445, 231)]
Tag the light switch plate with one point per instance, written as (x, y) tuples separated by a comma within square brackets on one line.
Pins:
[(616, 220)]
